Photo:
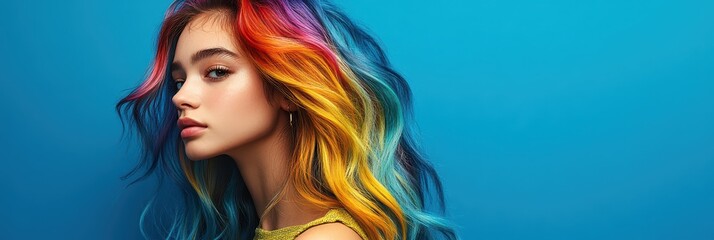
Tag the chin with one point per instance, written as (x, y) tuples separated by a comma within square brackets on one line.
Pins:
[(197, 153)]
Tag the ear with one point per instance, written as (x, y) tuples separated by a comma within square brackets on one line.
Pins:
[(286, 104)]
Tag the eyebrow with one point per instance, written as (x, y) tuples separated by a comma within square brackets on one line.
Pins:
[(205, 53)]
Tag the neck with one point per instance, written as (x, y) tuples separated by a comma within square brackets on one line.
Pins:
[(264, 167)]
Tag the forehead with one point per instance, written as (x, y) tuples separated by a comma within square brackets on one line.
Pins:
[(204, 31)]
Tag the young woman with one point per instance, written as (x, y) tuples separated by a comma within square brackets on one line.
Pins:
[(282, 119)]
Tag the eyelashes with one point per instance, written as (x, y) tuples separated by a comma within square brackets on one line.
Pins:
[(223, 70), (213, 73)]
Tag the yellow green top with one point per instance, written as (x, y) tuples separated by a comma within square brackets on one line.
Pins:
[(290, 232)]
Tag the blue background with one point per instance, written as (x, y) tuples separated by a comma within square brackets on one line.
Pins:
[(546, 119)]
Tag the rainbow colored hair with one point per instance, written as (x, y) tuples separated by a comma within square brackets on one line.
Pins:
[(354, 137)]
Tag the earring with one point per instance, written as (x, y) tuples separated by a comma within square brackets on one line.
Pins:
[(291, 119)]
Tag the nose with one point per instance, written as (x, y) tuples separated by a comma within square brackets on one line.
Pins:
[(186, 98)]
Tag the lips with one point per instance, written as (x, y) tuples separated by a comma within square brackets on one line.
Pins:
[(186, 122), (190, 128)]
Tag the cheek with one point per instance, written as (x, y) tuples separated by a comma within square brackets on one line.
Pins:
[(241, 111)]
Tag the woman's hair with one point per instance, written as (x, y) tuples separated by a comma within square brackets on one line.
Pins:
[(354, 142)]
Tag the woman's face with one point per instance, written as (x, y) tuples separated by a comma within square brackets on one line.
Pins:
[(219, 88)]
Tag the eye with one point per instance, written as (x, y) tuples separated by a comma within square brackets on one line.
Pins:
[(217, 72), (178, 83)]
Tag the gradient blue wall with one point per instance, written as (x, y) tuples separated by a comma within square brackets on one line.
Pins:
[(546, 119)]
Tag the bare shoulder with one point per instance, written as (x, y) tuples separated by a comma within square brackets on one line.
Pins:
[(330, 231)]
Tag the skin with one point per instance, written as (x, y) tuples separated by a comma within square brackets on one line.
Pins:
[(241, 122)]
